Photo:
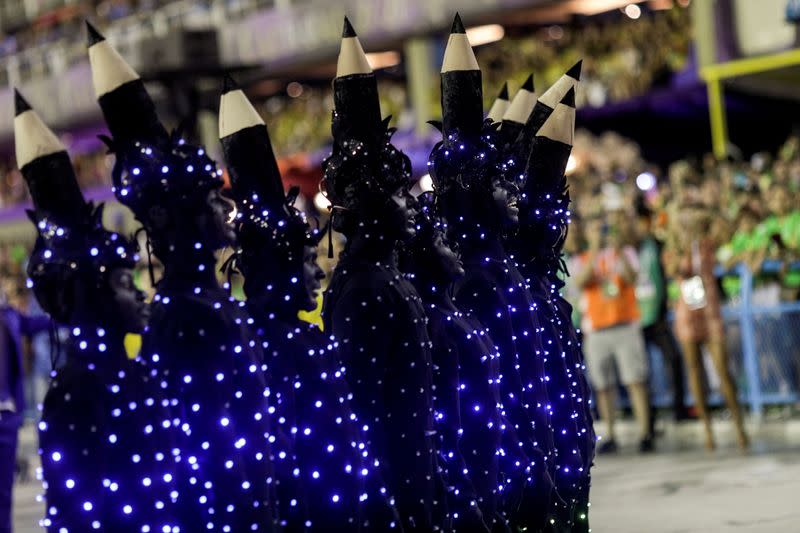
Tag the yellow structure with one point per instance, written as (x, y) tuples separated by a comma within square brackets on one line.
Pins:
[(715, 74)]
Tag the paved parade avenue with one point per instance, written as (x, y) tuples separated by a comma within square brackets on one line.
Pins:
[(671, 491)]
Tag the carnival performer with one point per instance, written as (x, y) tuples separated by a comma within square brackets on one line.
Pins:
[(477, 204), (211, 364), (372, 311), (342, 485), (105, 432), (466, 373), (544, 218)]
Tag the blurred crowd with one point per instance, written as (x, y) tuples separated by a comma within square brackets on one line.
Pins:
[(28, 24), (622, 58), (745, 209), (654, 258), (619, 63), (37, 347), (93, 169), (42, 37), (299, 120)]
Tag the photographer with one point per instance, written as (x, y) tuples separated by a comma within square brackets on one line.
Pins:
[(607, 274)]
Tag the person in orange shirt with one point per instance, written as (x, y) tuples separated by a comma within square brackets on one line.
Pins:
[(607, 275)]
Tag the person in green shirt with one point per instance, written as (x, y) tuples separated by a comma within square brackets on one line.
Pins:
[(775, 237), (782, 228), (790, 237), (651, 295), (739, 249)]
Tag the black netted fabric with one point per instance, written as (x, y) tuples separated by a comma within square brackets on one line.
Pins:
[(377, 318)]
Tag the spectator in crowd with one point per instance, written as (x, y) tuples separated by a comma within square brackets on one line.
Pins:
[(690, 259), (622, 58), (734, 252), (651, 295), (574, 246), (607, 273), (777, 237), (13, 326), (42, 352)]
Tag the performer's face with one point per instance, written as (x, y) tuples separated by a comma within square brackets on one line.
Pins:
[(401, 215), (448, 260), (312, 276), (217, 226), (505, 201), (128, 302)]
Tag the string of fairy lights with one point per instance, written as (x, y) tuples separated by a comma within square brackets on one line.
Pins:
[(446, 392)]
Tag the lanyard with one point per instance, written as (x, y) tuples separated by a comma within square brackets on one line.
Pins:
[(696, 258)]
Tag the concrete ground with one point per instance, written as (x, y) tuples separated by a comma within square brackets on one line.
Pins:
[(695, 492), (683, 489), (678, 489)]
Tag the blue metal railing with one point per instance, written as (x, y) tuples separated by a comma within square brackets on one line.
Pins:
[(763, 347)]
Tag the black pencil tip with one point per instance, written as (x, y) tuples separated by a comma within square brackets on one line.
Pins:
[(503, 92), (20, 104), (458, 26), (228, 84), (348, 30), (94, 35), (575, 71), (528, 85), (569, 98)]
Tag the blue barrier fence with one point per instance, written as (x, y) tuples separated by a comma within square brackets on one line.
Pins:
[(763, 344)]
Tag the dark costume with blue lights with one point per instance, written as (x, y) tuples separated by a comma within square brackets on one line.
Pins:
[(106, 457), (561, 378), (211, 364), (544, 219), (466, 374), (372, 311), (105, 433), (379, 322), (473, 198), (340, 485)]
